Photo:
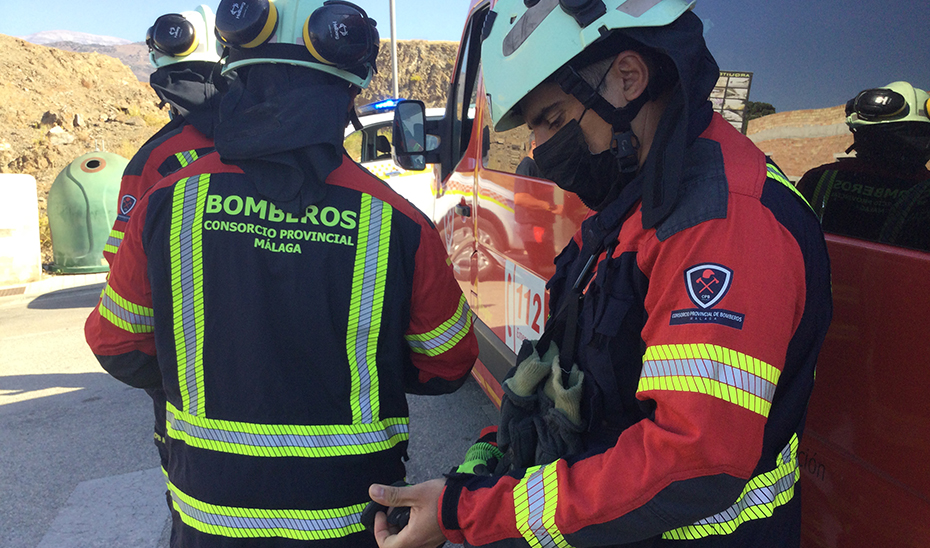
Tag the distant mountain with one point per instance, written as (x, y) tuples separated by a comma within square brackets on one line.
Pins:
[(134, 55), (48, 36)]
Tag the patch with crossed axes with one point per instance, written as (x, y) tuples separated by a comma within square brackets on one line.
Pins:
[(708, 283)]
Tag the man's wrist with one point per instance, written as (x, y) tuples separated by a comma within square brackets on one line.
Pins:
[(448, 510)]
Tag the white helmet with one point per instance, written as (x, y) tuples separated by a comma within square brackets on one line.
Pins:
[(181, 37), (332, 36)]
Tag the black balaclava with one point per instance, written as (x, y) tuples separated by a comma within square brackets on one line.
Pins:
[(897, 145), (284, 126), (189, 87)]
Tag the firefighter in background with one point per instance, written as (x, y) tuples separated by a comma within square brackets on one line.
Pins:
[(184, 52), (881, 194), (291, 298), (664, 404)]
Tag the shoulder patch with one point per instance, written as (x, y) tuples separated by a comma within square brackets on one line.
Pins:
[(708, 283), (126, 203)]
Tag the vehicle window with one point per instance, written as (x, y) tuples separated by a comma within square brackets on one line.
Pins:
[(505, 151), (353, 145), (466, 86), (370, 144)]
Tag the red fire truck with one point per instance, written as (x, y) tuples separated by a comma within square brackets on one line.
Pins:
[(865, 453)]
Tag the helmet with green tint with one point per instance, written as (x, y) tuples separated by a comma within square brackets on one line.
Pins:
[(182, 37), (896, 102), (891, 124), (332, 36), (529, 40)]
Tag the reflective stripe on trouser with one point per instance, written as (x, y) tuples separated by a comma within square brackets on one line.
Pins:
[(113, 241), (186, 243), (712, 370), (368, 286), (126, 315), (446, 336), (759, 499), (535, 499), (235, 522), (285, 440)]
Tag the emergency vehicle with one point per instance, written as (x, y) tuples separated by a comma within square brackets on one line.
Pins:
[(865, 477)]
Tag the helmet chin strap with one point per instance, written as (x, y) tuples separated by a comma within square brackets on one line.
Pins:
[(623, 143)]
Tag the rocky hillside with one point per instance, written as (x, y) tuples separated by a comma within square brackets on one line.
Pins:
[(424, 70), (135, 55), (800, 140), (57, 105)]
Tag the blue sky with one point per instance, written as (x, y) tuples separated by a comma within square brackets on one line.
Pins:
[(803, 53)]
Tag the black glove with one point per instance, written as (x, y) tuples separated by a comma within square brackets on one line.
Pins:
[(398, 517)]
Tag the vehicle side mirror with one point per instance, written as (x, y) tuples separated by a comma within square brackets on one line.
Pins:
[(409, 135)]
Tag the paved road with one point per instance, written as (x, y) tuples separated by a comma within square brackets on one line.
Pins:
[(79, 469)]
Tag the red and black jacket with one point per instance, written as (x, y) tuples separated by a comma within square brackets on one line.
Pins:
[(285, 345), (174, 147), (698, 339)]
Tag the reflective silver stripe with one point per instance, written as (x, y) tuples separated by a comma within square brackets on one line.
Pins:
[(368, 287), (536, 494), (761, 496), (445, 336), (113, 240), (285, 440), (187, 286), (124, 314), (235, 522), (709, 369)]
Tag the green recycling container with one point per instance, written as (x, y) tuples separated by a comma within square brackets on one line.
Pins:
[(82, 206)]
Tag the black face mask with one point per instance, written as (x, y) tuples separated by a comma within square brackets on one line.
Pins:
[(566, 160)]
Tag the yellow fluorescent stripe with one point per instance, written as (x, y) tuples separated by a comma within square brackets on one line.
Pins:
[(285, 440), (759, 499), (124, 314), (186, 245), (378, 308), (535, 502), (442, 327), (715, 353), (776, 174), (128, 305), (355, 307), (236, 522), (711, 370)]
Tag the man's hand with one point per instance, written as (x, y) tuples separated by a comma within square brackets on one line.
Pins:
[(423, 529)]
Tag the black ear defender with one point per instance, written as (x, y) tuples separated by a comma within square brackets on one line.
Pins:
[(877, 104), (245, 23), (585, 12), (341, 34), (173, 35)]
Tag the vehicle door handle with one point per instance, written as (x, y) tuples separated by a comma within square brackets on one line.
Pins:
[(463, 209)]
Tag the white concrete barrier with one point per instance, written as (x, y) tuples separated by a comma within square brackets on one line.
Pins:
[(20, 253)]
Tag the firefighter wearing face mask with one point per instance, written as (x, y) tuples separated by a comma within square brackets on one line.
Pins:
[(291, 298), (881, 194), (664, 404)]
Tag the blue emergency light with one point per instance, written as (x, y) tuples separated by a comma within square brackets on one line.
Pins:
[(380, 106)]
